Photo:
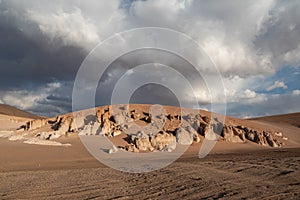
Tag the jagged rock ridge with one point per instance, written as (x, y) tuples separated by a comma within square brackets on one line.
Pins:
[(173, 129)]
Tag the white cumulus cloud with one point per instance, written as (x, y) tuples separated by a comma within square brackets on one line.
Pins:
[(277, 84), (72, 27), (296, 92), (249, 94)]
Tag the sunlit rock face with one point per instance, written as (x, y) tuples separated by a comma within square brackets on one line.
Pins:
[(162, 132)]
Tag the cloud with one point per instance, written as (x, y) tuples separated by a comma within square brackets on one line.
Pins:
[(292, 56), (67, 23), (47, 100), (271, 104), (280, 33), (72, 28), (227, 38), (296, 92), (240, 46), (277, 84), (46, 41), (249, 94)]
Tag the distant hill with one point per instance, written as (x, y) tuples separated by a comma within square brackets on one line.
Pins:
[(12, 111), (292, 119)]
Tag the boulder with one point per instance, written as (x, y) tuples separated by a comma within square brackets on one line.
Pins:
[(142, 142), (260, 138), (64, 124), (91, 129), (112, 125), (250, 136), (116, 133), (107, 128), (231, 134), (85, 130), (184, 137), (114, 149), (131, 148), (210, 133), (96, 129), (120, 119), (78, 122), (163, 141), (272, 141), (279, 134), (134, 115), (194, 133)]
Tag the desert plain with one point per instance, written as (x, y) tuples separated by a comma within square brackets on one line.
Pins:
[(232, 170)]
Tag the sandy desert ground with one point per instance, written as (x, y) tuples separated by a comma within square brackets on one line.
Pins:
[(230, 171)]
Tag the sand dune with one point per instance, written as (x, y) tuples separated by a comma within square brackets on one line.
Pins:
[(14, 112), (289, 119), (288, 124)]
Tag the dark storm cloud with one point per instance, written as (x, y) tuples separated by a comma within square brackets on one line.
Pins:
[(42, 44), (27, 61), (155, 94)]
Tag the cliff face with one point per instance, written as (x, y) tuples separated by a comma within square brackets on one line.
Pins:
[(161, 132)]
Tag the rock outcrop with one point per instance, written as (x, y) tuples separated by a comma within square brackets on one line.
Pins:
[(232, 134), (163, 142), (172, 129), (239, 134), (34, 124), (131, 148), (142, 142), (184, 137), (160, 142), (64, 124)]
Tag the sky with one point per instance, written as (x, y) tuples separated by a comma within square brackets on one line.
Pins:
[(254, 45)]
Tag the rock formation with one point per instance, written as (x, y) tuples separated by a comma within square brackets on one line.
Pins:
[(163, 142), (172, 129), (232, 134), (142, 142), (34, 124), (64, 124), (184, 137)]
